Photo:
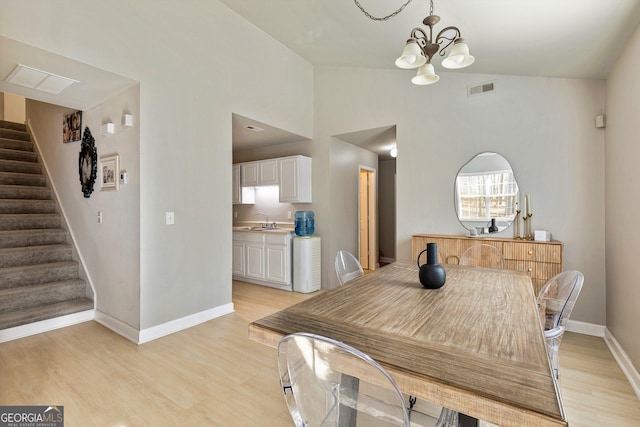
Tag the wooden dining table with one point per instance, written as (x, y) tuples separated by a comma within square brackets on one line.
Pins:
[(475, 345)]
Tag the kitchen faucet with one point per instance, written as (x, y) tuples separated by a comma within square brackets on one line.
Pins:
[(266, 218)]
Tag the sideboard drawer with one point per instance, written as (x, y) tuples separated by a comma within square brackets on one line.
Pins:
[(541, 252)]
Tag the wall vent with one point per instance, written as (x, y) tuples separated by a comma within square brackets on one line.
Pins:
[(481, 88)]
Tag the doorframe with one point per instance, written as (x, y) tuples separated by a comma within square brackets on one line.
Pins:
[(372, 219)]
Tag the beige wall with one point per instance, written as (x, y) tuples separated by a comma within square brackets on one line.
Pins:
[(14, 108), (185, 56), (544, 127), (111, 250), (623, 200)]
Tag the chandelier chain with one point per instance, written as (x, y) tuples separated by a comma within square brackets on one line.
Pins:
[(385, 17)]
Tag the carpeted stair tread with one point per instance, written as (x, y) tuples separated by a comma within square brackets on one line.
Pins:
[(24, 297), (16, 144), (20, 166), (16, 206), (29, 221), (18, 155), (4, 124), (11, 277), (24, 192), (44, 312), (29, 255), (31, 237), (14, 134), (18, 178)]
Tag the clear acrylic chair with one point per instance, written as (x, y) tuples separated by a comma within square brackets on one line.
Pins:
[(482, 256), (347, 267), (329, 383), (555, 303)]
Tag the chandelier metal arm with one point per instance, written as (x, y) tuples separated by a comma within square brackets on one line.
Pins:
[(442, 37)]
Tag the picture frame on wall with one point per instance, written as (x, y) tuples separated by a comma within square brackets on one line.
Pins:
[(109, 173), (72, 127)]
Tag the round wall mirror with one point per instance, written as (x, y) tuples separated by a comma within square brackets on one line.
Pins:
[(486, 192)]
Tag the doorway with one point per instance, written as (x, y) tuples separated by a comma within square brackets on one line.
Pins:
[(367, 218)]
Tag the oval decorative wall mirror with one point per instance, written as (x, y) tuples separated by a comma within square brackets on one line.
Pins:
[(486, 190), (88, 163)]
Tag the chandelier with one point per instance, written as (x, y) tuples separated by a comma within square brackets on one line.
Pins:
[(422, 46)]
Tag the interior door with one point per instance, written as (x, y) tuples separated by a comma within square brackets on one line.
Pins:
[(367, 220)]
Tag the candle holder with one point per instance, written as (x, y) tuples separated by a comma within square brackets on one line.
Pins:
[(516, 228), (529, 230), (524, 227)]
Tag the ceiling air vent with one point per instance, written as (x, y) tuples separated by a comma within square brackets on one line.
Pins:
[(481, 88), (44, 81)]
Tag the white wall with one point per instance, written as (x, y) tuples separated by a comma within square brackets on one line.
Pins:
[(623, 199), (185, 56), (111, 250), (544, 127)]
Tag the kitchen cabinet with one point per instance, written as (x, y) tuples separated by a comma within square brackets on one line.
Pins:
[(263, 258), (241, 195), (262, 172), (268, 170), (249, 174), (542, 260), (295, 179)]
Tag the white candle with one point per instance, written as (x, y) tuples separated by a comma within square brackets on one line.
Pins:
[(529, 204), (526, 207)]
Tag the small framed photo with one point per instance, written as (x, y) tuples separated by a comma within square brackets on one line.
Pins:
[(72, 127), (109, 173)]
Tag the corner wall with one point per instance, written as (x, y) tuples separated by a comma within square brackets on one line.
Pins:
[(110, 250), (623, 200)]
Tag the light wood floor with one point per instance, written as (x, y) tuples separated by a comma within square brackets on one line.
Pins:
[(212, 375)]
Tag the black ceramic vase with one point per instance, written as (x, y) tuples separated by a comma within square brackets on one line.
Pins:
[(432, 274), (493, 228)]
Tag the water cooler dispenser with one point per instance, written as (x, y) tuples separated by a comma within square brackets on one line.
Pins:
[(306, 254)]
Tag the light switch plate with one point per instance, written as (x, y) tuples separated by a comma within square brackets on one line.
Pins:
[(170, 219)]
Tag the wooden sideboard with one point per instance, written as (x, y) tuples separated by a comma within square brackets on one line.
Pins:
[(542, 260)]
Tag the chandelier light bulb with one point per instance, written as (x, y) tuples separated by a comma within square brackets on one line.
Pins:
[(411, 57)]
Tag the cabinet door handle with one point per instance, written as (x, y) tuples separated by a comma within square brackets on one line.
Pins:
[(529, 269), (530, 252)]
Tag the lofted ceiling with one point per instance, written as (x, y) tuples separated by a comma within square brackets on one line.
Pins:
[(546, 38)]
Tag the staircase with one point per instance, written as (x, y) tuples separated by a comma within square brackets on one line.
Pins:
[(39, 280)]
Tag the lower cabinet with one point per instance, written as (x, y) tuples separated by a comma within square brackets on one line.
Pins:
[(263, 258)]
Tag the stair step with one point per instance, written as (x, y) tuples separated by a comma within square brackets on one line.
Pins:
[(21, 238), (14, 134), (11, 277), (25, 297), (20, 167), (29, 221), (24, 192), (31, 255), (4, 124), (13, 178), (18, 155), (17, 206), (16, 144), (44, 312)]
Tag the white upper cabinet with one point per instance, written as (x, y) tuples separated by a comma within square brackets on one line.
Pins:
[(241, 195), (268, 172), (295, 179), (292, 174)]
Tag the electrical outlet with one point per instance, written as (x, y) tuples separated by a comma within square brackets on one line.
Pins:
[(170, 219), (235, 214), (99, 217), (288, 214)]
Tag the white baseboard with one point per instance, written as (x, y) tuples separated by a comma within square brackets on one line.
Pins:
[(623, 361), (168, 328), (23, 331), (159, 331), (117, 326), (586, 328)]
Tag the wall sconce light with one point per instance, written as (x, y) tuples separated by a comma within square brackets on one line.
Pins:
[(127, 120), (108, 128), (393, 152)]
